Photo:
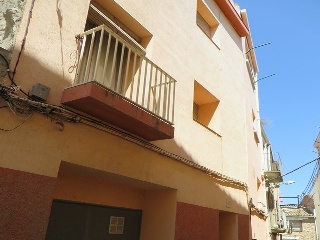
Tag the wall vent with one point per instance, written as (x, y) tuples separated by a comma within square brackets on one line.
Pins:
[(116, 225)]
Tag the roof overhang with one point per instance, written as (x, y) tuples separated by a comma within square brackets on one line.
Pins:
[(234, 18), (244, 16)]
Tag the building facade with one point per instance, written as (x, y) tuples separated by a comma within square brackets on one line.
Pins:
[(300, 223), (316, 188), (130, 120), (273, 178)]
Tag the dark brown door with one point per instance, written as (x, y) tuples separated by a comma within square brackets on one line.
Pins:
[(77, 221)]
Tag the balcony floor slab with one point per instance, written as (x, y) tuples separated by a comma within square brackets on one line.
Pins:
[(97, 101)]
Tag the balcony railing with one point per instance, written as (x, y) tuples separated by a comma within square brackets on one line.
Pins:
[(251, 70), (273, 173), (276, 166), (119, 65), (249, 63)]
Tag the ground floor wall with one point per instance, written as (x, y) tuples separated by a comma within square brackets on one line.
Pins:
[(259, 227), (40, 164), (26, 201)]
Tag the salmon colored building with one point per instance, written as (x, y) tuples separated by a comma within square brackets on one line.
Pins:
[(129, 120)]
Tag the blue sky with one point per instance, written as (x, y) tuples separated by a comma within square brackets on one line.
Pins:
[(288, 100)]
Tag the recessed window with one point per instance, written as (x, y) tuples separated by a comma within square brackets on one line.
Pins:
[(255, 128), (295, 225), (109, 51), (202, 23), (207, 21), (205, 108)]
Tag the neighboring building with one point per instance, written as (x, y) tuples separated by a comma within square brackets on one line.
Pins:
[(145, 127), (273, 177), (300, 223), (316, 188), (308, 203)]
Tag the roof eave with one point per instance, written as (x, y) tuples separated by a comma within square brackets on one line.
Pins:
[(234, 18)]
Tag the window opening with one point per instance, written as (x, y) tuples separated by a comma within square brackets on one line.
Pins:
[(296, 225), (205, 108), (207, 21)]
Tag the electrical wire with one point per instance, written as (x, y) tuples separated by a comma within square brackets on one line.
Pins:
[(309, 201), (310, 184), (294, 169), (11, 74), (7, 67), (19, 125), (24, 39), (58, 115)]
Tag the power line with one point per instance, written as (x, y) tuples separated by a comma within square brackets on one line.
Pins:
[(311, 182), (294, 169)]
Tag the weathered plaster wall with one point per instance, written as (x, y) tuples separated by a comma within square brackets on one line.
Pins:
[(11, 12), (179, 47)]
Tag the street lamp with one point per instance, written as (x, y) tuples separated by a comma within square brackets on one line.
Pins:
[(289, 182), (285, 183)]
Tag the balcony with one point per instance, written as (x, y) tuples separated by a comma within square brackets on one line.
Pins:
[(117, 84), (250, 68), (273, 174), (251, 62)]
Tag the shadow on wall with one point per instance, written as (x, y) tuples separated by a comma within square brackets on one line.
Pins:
[(31, 71), (49, 146)]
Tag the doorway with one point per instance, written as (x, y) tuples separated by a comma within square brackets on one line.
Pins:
[(79, 221)]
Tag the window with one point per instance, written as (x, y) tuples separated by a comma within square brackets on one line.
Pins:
[(106, 68), (109, 52), (205, 108), (98, 15), (205, 27), (114, 58), (255, 127), (207, 21), (295, 225)]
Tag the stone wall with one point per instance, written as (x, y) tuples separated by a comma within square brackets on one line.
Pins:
[(308, 231)]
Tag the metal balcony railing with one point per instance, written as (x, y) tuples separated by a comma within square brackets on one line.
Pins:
[(276, 166), (118, 63), (250, 68), (249, 63), (273, 173)]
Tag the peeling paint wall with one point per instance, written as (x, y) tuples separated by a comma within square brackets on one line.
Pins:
[(11, 12), (10, 17)]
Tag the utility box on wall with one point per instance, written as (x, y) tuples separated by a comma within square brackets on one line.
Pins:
[(39, 92)]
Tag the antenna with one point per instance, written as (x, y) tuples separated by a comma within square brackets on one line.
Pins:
[(262, 45), (264, 78)]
